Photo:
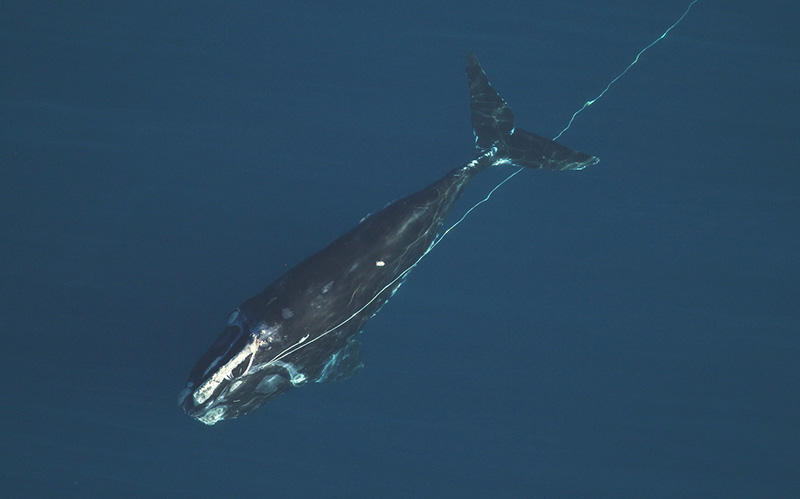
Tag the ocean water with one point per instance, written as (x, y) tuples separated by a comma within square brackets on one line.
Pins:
[(631, 330)]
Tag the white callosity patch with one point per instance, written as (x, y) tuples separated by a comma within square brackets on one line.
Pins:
[(267, 335), (235, 386), (214, 415), (262, 335), (205, 390), (287, 313)]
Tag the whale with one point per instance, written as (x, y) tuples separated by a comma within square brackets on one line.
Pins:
[(304, 327)]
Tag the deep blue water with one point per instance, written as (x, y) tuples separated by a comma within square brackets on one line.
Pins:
[(631, 330)]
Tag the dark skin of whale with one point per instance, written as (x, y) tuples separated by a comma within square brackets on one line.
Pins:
[(303, 326)]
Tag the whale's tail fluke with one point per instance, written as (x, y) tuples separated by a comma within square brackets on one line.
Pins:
[(493, 124)]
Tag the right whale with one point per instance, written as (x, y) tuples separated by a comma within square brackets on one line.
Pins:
[(303, 326)]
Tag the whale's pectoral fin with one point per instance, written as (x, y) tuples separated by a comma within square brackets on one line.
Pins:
[(343, 363), (493, 124)]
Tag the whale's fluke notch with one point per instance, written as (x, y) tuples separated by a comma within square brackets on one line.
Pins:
[(493, 125)]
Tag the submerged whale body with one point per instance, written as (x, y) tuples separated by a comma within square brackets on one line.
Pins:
[(303, 326)]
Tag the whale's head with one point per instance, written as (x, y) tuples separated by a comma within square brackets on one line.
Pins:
[(238, 373)]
